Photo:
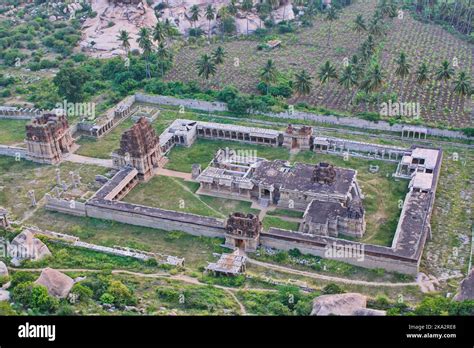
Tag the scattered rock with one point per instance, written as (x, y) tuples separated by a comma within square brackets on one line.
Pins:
[(58, 284), (343, 304), (79, 279), (4, 295), (466, 288), (26, 247), (3, 269)]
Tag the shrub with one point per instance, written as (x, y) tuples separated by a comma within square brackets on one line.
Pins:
[(33, 296), (83, 292), (122, 295), (21, 277), (331, 289), (107, 298)]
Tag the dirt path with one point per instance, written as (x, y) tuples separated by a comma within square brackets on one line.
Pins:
[(325, 277), (89, 160), (173, 173), (198, 198), (178, 277)]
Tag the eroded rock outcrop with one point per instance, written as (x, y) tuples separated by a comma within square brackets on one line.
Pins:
[(466, 288), (3, 269), (343, 304), (26, 247), (58, 284)]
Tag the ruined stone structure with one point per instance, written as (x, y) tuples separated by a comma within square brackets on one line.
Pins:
[(139, 147), (277, 182), (329, 196), (243, 231), (298, 137), (332, 219), (48, 138), (228, 264)]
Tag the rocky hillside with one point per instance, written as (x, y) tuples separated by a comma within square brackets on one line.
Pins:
[(100, 33)]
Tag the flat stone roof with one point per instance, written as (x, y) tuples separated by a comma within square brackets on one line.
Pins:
[(319, 212), (429, 155), (413, 224), (114, 182), (299, 177), (422, 181), (253, 131)]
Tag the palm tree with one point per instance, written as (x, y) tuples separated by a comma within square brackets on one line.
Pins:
[(206, 67), (144, 42), (357, 65), (349, 78), (422, 74), (444, 72), (327, 72), (210, 14), (124, 38), (269, 74), (462, 85), (218, 55), (376, 28), (403, 67), (303, 83), (373, 79), (330, 17), (359, 24), (247, 6), (194, 14), (159, 32), (163, 55), (170, 30)]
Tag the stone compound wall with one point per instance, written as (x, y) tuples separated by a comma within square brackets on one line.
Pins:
[(187, 103), (369, 260), (167, 222), (298, 115), (65, 206), (12, 151)]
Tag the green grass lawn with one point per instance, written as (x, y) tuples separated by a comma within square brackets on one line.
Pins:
[(103, 147), (176, 194), (272, 221), (382, 193), (197, 251), (286, 212), (12, 131), (203, 150)]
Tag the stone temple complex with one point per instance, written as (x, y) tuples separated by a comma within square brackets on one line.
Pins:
[(329, 197), (139, 147), (48, 138)]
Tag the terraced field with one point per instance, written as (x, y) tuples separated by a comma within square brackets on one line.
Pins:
[(307, 48)]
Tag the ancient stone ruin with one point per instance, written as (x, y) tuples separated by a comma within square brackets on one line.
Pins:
[(48, 138), (243, 231), (140, 148), (324, 173), (298, 137)]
